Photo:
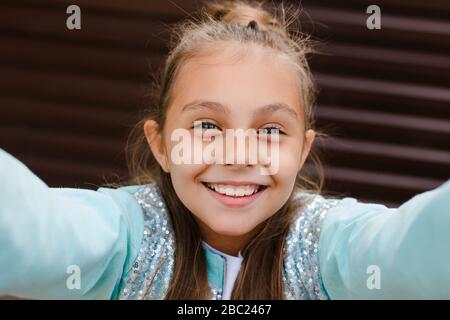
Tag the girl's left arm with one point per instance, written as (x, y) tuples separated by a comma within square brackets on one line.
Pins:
[(369, 251)]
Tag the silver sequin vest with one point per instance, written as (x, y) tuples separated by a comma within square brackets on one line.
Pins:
[(151, 273)]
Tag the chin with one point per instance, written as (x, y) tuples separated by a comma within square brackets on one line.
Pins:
[(231, 229)]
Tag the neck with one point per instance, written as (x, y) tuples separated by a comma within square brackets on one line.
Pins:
[(230, 245)]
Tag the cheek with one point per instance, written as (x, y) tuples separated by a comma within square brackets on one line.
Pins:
[(183, 147), (289, 157), (184, 166), (183, 177), (186, 186)]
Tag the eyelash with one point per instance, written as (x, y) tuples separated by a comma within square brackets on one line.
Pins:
[(273, 127), (209, 125)]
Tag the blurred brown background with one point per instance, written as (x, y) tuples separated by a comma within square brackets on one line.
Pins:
[(69, 98)]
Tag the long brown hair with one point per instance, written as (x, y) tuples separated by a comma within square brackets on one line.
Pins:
[(275, 28)]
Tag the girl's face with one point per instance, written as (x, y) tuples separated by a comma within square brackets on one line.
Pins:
[(255, 91)]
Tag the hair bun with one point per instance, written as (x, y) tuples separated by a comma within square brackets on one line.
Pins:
[(249, 14)]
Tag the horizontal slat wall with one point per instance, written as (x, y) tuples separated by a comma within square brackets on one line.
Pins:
[(68, 98), (385, 96)]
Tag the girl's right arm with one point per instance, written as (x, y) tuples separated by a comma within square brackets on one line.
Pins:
[(63, 243)]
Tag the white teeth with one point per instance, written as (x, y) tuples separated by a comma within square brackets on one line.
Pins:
[(233, 191)]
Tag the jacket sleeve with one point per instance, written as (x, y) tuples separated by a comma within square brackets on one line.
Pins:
[(63, 243), (369, 251)]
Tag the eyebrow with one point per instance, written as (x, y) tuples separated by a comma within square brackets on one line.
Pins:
[(217, 106)]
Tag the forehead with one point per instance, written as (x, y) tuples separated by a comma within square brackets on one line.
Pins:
[(238, 77)]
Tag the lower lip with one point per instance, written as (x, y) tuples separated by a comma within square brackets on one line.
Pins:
[(236, 202)]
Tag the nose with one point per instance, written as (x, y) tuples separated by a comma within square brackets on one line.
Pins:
[(241, 149)]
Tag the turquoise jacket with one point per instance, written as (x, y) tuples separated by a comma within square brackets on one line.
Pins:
[(121, 243)]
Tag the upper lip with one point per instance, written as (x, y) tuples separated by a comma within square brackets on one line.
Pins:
[(235, 183)]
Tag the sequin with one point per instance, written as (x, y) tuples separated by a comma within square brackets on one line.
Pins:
[(152, 270), (150, 276), (302, 279)]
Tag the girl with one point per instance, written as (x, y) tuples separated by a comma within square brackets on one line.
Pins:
[(221, 230)]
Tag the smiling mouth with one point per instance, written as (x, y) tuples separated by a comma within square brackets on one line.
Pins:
[(234, 191)]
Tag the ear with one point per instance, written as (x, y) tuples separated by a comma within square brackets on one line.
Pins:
[(309, 140), (156, 142)]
